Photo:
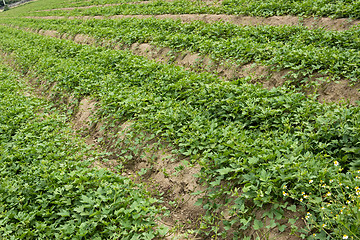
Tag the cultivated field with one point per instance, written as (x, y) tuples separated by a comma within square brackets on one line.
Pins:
[(180, 119)]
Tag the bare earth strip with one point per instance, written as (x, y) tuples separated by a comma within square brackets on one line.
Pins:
[(92, 6), (324, 22)]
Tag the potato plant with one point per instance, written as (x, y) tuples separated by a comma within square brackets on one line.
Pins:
[(48, 189), (267, 8), (255, 146), (305, 52)]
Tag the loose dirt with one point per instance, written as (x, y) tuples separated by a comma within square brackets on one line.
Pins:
[(161, 169)]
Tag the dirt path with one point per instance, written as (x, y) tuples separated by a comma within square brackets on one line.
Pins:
[(340, 24)]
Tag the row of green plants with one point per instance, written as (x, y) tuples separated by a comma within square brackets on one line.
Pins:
[(155, 7), (45, 5), (305, 52), (84, 3), (328, 8), (49, 190), (267, 8), (53, 4), (256, 147)]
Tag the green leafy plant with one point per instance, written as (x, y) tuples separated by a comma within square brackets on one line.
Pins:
[(48, 190), (305, 52), (267, 8), (255, 147)]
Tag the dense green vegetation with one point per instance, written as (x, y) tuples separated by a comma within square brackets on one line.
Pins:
[(306, 52), (331, 8), (253, 144), (52, 4), (258, 149), (96, 2), (47, 189), (267, 8)]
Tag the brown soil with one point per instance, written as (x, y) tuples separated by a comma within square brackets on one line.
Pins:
[(161, 167), (326, 23), (327, 91), (164, 171), (84, 39)]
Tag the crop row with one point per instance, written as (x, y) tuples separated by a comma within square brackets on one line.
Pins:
[(332, 8), (273, 145), (267, 8), (47, 189), (53, 4), (306, 52), (87, 3)]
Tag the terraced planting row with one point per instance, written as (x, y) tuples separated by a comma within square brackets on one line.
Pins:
[(53, 4), (48, 189), (275, 163), (310, 22), (332, 8), (310, 57), (255, 147)]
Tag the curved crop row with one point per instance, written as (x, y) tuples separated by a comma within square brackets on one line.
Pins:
[(48, 191), (267, 8), (86, 3), (305, 51), (273, 145), (54, 4), (332, 8)]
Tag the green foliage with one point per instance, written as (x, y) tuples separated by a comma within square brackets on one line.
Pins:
[(253, 144), (153, 7), (47, 191), (267, 8), (305, 52), (52, 4)]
